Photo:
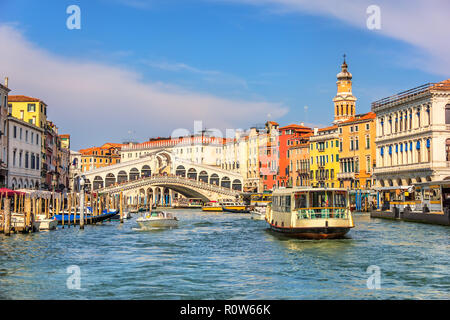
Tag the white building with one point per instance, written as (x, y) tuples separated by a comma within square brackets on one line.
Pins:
[(74, 169), (201, 149), (3, 132), (24, 151), (413, 136)]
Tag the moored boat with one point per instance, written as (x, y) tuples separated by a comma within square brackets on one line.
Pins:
[(157, 219), (212, 206), (43, 223), (258, 213), (234, 207), (312, 213), (88, 216)]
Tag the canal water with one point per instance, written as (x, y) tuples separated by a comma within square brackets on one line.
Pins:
[(226, 256)]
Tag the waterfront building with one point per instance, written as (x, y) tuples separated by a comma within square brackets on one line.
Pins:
[(65, 141), (200, 148), (241, 155), (63, 164), (324, 157), (4, 91), (74, 169), (413, 135), (357, 151), (269, 156), (299, 161), (24, 152), (289, 136), (98, 157), (29, 109)]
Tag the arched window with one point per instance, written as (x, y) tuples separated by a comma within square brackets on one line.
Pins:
[(225, 182), (214, 179), (98, 183), (110, 180), (180, 171), (447, 114)]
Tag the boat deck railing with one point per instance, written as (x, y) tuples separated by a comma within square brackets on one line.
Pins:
[(323, 213)]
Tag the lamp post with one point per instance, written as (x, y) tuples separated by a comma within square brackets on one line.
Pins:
[(81, 203)]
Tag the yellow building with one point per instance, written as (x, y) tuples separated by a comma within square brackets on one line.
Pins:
[(357, 151), (31, 110), (324, 157)]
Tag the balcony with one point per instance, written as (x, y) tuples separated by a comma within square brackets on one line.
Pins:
[(346, 175)]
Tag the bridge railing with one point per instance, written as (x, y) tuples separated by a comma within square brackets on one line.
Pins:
[(170, 178)]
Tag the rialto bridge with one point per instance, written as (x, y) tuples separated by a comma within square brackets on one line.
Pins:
[(159, 177)]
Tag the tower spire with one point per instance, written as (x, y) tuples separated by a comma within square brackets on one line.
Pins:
[(344, 102)]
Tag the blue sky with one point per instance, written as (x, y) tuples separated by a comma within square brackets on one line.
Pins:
[(138, 69)]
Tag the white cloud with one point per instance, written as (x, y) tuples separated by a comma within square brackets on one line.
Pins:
[(96, 102), (424, 24)]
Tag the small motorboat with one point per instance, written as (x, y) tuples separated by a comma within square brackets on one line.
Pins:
[(157, 219), (43, 223), (258, 213), (234, 207)]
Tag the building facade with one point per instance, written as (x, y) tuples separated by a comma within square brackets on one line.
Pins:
[(324, 156), (98, 157), (357, 151), (4, 91), (290, 135), (413, 136), (299, 161), (24, 152)]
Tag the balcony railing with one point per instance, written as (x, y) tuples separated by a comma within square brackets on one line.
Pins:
[(410, 93)]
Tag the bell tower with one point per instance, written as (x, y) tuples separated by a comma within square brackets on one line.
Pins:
[(344, 101)]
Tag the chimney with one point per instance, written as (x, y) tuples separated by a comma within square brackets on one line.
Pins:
[(316, 130), (302, 124), (6, 82)]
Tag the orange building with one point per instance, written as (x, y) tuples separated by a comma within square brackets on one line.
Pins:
[(298, 157), (97, 157), (357, 151)]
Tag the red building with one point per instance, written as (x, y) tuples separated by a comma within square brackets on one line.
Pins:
[(268, 157), (290, 135)]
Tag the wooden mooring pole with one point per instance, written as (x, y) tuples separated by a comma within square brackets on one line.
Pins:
[(7, 216), (121, 206)]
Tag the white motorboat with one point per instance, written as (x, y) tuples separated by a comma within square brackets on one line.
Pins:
[(258, 213), (157, 219), (42, 223)]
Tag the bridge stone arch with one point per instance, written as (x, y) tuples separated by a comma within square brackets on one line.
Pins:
[(203, 176), (146, 171), (180, 171), (225, 182), (192, 174), (110, 179), (214, 179), (122, 176), (134, 174), (97, 183), (237, 185)]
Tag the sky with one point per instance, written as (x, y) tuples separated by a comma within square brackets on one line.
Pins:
[(138, 69)]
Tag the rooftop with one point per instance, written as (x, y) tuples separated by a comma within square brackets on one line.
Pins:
[(21, 98), (417, 91)]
